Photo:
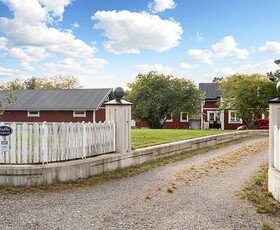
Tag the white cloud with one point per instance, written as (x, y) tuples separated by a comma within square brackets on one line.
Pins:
[(224, 47), (189, 66), (70, 66), (199, 37), (3, 43), (16, 53), (224, 71), (29, 54), (204, 56), (227, 48), (161, 5), (75, 25), (129, 32), (261, 68), (56, 8), (28, 29), (240, 53), (156, 67), (4, 72), (26, 66), (271, 47), (22, 11)]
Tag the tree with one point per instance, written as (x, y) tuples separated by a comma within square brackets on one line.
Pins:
[(59, 82), (31, 83), (247, 94), (155, 96), (55, 82), (274, 76), (6, 101), (217, 79), (15, 84)]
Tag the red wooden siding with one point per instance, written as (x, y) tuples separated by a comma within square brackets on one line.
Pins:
[(100, 115), (52, 116), (176, 123), (211, 104), (230, 125)]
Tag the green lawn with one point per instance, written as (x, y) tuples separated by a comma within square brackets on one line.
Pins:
[(148, 137)]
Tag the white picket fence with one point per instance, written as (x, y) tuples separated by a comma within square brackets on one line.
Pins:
[(55, 142), (276, 147)]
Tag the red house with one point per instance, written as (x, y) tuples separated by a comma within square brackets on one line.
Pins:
[(174, 121), (212, 116), (57, 105)]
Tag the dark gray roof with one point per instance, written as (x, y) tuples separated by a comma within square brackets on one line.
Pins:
[(58, 99), (210, 90)]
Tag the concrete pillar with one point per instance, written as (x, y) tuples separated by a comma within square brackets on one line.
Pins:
[(222, 119), (273, 173), (120, 111)]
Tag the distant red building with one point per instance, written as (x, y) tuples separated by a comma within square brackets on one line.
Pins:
[(212, 116), (58, 105)]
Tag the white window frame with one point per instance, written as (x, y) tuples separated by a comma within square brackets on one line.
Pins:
[(181, 117), (215, 116), (77, 113), (33, 113), (236, 119), (170, 120)]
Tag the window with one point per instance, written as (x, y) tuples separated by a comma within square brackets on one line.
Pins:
[(213, 117), (233, 118), (169, 118), (184, 117), (33, 114), (81, 113)]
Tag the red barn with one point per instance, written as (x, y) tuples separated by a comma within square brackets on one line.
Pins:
[(56, 105)]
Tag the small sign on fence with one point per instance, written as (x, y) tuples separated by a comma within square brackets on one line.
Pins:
[(5, 130), (4, 146)]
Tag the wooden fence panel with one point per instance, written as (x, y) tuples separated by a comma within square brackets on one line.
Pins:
[(46, 143), (13, 151)]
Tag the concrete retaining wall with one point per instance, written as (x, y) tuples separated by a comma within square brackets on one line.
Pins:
[(26, 175)]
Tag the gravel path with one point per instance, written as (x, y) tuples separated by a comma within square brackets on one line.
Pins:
[(146, 201)]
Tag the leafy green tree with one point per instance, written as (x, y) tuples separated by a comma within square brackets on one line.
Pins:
[(55, 82), (274, 76), (247, 94), (31, 83), (217, 79), (15, 84), (155, 96), (6, 101), (59, 82)]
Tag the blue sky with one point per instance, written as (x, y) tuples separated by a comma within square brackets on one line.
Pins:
[(107, 43)]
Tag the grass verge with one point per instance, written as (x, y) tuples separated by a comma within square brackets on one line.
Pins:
[(147, 137), (113, 175), (218, 164), (256, 191)]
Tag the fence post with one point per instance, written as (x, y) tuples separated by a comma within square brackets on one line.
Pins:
[(119, 110), (274, 154), (84, 135), (45, 142)]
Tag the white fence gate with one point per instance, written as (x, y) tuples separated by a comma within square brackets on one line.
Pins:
[(276, 147), (54, 142)]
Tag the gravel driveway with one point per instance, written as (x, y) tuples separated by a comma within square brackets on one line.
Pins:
[(146, 201)]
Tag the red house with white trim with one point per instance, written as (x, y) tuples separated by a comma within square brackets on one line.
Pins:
[(212, 116), (56, 105)]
